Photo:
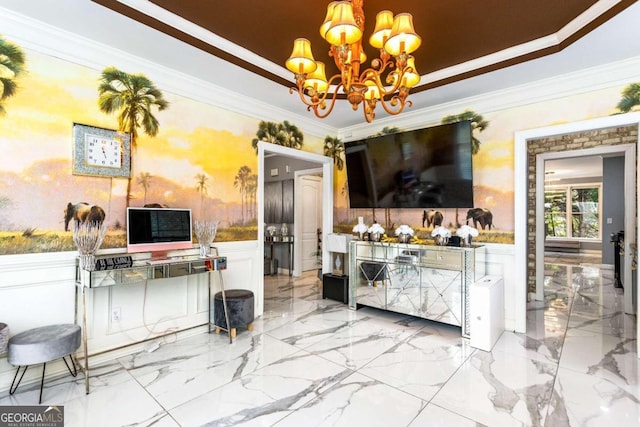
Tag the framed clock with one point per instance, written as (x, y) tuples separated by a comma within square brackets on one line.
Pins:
[(101, 152)]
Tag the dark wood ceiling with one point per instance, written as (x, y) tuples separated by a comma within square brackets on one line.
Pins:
[(452, 31)]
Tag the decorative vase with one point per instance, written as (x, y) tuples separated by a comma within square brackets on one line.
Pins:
[(88, 262), (206, 233), (442, 241), (284, 230), (205, 250), (404, 238), (374, 237)]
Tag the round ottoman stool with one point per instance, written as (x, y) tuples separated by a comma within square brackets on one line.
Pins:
[(240, 310), (42, 345)]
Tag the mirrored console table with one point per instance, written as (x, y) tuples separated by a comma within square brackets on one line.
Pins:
[(142, 271), (273, 241), (427, 281)]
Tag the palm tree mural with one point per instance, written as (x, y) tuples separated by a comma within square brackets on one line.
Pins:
[(202, 188), (252, 188), (334, 148), (477, 123), (285, 134), (144, 179), (293, 136), (240, 182), (630, 98), (132, 96), (12, 64)]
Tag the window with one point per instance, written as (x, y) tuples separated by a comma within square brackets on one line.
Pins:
[(572, 211)]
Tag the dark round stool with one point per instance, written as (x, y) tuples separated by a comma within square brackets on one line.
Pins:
[(240, 310)]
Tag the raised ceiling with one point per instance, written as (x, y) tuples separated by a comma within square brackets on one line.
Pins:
[(453, 32), (469, 47)]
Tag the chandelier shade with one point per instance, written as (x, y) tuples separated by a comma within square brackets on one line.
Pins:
[(301, 59), (343, 29), (403, 38), (384, 23)]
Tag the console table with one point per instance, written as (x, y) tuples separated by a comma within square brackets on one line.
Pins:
[(427, 281), (141, 271), (282, 240)]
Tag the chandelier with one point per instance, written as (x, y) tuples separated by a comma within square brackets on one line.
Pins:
[(343, 29)]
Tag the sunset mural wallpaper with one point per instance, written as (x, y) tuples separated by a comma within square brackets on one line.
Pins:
[(203, 157)]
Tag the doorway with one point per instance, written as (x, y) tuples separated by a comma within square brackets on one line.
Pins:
[(308, 219), (326, 163), (523, 231)]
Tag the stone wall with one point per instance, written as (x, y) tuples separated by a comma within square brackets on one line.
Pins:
[(567, 142)]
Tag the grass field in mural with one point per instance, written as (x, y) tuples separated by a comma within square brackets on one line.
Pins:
[(35, 241)]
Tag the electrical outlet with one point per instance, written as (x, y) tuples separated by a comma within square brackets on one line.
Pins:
[(116, 314)]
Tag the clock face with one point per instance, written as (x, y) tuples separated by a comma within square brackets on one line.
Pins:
[(103, 151)]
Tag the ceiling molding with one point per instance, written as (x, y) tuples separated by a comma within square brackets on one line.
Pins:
[(43, 38), (614, 74)]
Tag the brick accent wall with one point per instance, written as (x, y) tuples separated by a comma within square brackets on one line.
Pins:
[(567, 142)]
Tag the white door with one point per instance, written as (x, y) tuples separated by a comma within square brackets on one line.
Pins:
[(311, 221)]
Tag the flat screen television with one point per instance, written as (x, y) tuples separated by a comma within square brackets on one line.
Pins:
[(158, 230), (423, 168)]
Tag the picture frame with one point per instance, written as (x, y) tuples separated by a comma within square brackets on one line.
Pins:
[(101, 152)]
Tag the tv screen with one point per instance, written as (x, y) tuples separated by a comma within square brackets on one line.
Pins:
[(424, 168), (158, 229)]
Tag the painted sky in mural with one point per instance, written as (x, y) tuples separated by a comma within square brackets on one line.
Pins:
[(198, 139)]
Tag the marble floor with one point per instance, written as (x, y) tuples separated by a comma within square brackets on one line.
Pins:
[(314, 362)]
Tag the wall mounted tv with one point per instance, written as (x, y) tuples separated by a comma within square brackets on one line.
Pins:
[(158, 230), (424, 168)]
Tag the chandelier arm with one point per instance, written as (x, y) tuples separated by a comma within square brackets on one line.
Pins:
[(316, 107), (396, 99), (317, 100)]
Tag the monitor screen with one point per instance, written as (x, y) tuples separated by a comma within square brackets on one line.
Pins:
[(158, 229)]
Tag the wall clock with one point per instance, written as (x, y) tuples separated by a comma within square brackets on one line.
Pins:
[(101, 152)]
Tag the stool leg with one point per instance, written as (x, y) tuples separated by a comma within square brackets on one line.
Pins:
[(13, 389), (73, 373), (250, 327), (44, 365)]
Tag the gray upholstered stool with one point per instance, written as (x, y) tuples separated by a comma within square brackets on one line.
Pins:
[(240, 310), (42, 345)]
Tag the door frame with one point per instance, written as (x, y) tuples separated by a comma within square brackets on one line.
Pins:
[(297, 215), (521, 173), (327, 203)]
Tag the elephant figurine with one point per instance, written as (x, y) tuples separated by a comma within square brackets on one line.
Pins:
[(433, 218), (482, 216), (83, 212)]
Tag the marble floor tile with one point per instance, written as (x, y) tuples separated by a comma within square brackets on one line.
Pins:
[(314, 362), (127, 403), (435, 416), (499, 389), (264, 395), (606, 356), (420, 364), (357, 401), (581, 399), (180, 378)]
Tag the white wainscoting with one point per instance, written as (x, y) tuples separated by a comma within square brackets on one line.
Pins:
[(39, 289)]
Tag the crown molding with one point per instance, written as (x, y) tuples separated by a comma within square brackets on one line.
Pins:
[(46, 39), (614, 74)]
